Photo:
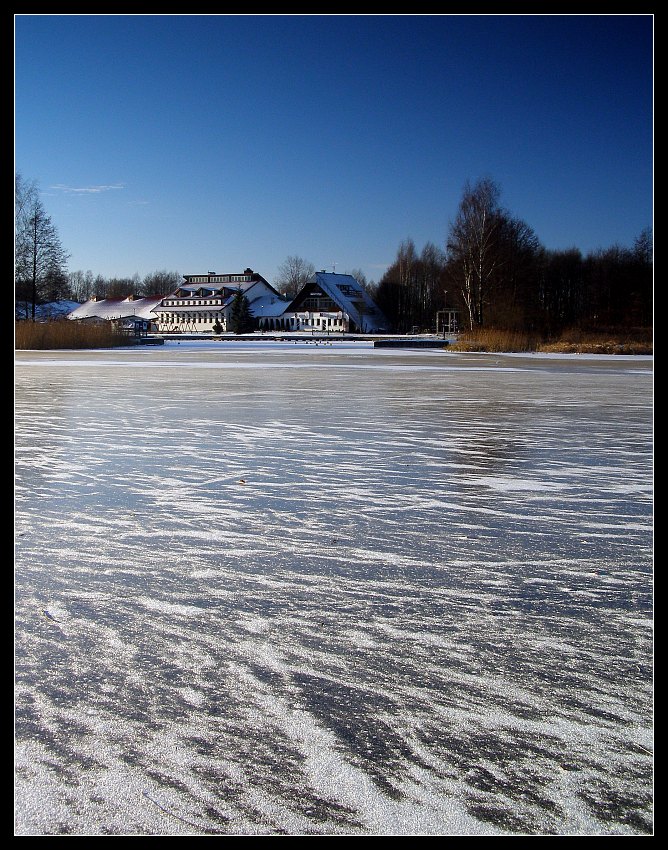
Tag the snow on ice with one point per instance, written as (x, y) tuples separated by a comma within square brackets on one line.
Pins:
[(279, 589)]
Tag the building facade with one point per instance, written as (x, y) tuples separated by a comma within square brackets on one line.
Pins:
[(328, 302), (336, 302), (204, 302)]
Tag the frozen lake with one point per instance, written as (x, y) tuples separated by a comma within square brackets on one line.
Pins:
[(288, 589)]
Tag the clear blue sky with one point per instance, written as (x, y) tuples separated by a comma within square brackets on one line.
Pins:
[(196, 142)]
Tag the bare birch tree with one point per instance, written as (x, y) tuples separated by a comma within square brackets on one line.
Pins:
[(473, 258)]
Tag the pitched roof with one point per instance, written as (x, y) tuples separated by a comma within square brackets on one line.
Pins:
[(269, 305), (116, 308), (353, 299), (263, 298), (209, 290), (230, 278)]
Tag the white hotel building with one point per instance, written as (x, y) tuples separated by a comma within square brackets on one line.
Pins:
[(328, 302), (205, 300)]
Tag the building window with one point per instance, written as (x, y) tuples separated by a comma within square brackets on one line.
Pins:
[(320, 305)]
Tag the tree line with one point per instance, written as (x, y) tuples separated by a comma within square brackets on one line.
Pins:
[(492, 268), (83, 285), (495, 271), (40, 262)]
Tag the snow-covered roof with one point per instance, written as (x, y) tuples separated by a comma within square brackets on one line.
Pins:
[(52, 310), (199, 290), (263, 299), (216, 279), (116, 308), (350, 295), (269, 305)]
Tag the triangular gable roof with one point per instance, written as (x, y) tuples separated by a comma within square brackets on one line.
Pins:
[(348, 292), (247, 285), (244, 286)]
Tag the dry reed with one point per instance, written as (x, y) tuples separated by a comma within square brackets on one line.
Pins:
[(493, 339), (571, 341), (66, 333)]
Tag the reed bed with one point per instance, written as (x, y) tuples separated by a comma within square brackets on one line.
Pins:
[(66, 333), (495, 340), (572, 341)]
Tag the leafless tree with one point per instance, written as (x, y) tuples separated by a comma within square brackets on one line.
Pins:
[(81, 285), (292, 275), (100, 286), (515, 301), (160, 283), (410, 292), (39, 257), (643, 246), (472, 245), (121, 287)]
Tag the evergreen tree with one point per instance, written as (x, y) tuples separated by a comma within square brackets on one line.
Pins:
[(241, 318)]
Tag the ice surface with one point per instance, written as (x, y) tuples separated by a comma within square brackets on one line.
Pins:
[(279, 589)]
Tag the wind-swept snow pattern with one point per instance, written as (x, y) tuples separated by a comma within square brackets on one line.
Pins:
[(286, 589)]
